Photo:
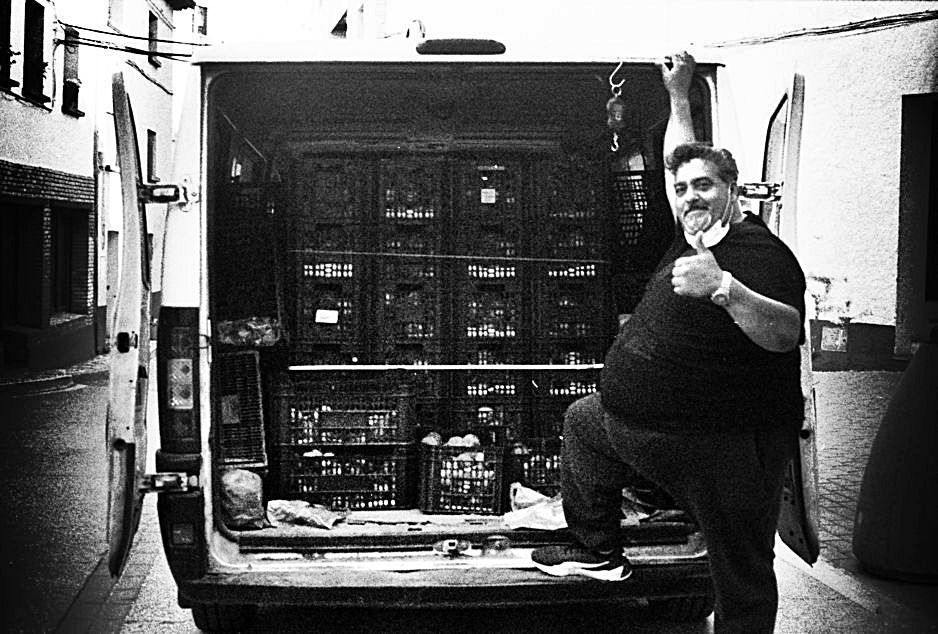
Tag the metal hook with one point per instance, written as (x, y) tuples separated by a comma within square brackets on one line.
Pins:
[(616, 87), (615, 142)]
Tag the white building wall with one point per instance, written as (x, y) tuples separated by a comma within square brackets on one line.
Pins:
[(848, 200)]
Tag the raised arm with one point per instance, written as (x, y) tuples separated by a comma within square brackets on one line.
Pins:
[(677, 78), (677, 74)]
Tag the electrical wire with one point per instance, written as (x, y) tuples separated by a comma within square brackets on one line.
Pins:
[(849, 28), (447, 256), (80, 41), (134, 37)]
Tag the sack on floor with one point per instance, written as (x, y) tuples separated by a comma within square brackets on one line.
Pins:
[(242, 503)]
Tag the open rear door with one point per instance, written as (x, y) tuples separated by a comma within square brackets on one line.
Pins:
[(797, 524), (130, 348)]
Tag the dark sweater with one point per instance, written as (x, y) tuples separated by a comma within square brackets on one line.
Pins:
[(680, 364)]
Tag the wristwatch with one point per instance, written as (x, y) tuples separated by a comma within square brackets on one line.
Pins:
[(721, 296)]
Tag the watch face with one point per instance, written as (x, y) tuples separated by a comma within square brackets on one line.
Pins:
[(720, 298)]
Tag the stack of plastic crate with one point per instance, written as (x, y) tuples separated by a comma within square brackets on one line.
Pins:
[(347, 444), (409, 274), (574, 316), (329, 268), (489, 315)]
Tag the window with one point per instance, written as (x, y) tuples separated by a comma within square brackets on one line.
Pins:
[(201, 17), (69, 261), (71, 82), (6, 51), (154, 36), (151, 157), (34, 63)]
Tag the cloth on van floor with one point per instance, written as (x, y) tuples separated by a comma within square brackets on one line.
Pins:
[(301, 513)]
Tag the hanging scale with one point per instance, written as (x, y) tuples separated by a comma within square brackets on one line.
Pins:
[(615, 108)]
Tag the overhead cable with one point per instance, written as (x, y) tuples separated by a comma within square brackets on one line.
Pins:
[(849, 28), (133, 37), (80, 41)]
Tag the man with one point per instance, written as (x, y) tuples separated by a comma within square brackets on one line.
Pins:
[(700, 392)]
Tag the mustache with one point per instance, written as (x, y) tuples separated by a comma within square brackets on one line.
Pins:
[(693, 206)]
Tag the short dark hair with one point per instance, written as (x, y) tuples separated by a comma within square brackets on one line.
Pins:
[(686, 152)]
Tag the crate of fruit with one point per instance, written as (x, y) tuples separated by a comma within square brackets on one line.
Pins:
[(362, 412), (357, 478), (536, 464), (462, 478)]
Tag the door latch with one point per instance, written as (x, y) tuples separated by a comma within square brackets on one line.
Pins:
[(769, 192), (168, 481)]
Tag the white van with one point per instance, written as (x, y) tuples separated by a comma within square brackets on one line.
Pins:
[(389, 270)]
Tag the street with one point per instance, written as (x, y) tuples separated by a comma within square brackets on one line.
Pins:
[(54, 540)]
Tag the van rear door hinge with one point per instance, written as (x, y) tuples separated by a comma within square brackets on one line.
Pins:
[(761, 191), (168, 481)]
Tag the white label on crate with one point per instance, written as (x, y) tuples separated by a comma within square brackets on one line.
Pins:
[(488, 196), (324, 316)]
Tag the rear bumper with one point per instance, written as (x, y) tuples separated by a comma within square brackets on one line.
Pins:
[(329, 587)]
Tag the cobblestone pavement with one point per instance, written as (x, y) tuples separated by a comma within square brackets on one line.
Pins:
[(850, 406)]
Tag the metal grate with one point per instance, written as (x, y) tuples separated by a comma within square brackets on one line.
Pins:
[(240, 410)]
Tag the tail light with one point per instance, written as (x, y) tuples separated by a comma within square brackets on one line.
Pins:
[(178, 376)]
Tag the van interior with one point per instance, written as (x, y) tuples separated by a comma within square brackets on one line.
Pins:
[(413, 269)]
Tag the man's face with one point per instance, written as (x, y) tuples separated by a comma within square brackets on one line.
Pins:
[(701, 197)]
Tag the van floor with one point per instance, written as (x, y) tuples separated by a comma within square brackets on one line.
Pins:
[(411, 528), (395, 522)]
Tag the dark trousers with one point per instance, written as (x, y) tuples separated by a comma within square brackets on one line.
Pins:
[(730, 484)]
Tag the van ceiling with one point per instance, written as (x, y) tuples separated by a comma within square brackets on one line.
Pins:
[(272, 105)]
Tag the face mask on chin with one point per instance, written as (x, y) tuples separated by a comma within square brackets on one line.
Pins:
[(713, 234)]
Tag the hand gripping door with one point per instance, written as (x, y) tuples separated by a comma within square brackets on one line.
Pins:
[(130, 348), (797, 525)]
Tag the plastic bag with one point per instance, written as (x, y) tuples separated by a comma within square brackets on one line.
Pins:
[(242, 504), (302, 513), (531, 509), (522, 497), (253, 331)]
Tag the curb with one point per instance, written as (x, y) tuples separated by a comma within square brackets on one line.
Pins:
[(29, 383), (37, 385)]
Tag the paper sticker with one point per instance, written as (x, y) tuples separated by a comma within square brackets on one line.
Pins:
[(324, 316), (488, 196)]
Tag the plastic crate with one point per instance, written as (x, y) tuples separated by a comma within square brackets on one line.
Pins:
[(329, 236), (456, 480), (335, 189), (538, 464), (425, 352), (410, 314), (490, 240), (490, 191), (345, 412), (410, 190), (327, 313), (239, 409), (572, 241), (575, 188), (310, 353), (490, 311), (358, 478), (585, 271), (571, 310)]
